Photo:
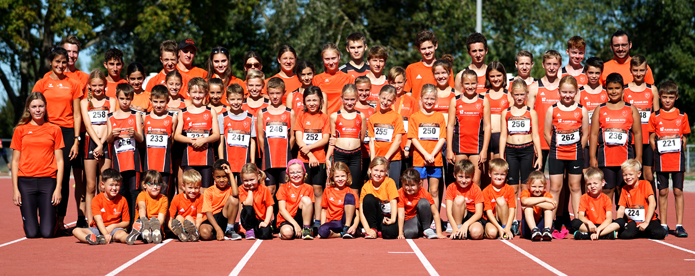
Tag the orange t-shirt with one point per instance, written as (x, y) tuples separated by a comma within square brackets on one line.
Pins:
[(427, 129), (491, 195), (417, 75), (110, 90), (161, 79), (292, 196), (214, 199), (612, 66), (185, 207), (409, 202), (472, 194), (637, 198), (262, 199), (111, 211), (333, 200), (37, 145), (386, 192), (595, 208), (154, 206), (195, 72), (537, 211), (405, 106), (141, 102), (291, 84), (78, 77), (382, 128), (59, 96), (332, 85), (313, 127)]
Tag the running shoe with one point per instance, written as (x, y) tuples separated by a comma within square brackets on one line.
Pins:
[(347, 235), (191, 231), (101, 239), (666, 229), (680, 232), (515, 227), (250, 235), (547, 235), (306, 234), (536, 234), (135, 231), (177, 228), (92, 239), (230, 234), (430, 233), (156, 229), (448, 228), (578, 235)]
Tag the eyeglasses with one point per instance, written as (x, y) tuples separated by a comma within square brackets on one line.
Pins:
[(219, 50), (625, 45), (296, 173), (155, 184)]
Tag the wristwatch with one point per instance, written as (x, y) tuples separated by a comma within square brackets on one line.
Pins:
[(78, 138), (406, 148)]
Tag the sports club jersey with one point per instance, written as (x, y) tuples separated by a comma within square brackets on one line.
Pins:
[(158, 133), (232, 79), (291, 84), (197, 126), (383, 128), (333, 200), (98, 114), (537, 211), (373, 99), (471, 194), (544, 99), (612, 66), (417, 75), (519, 125), (154, 205), (160, 78), (214, 199), (110, 89), (499, 104), (332, 85), (353, 71), (409, 202), (195, 72), (37, 145), (643, 101), (595, 208), (124, 152), (182, 206), (237, 131), (175, 110), (581, 78), (614, 135), (297, 102), (442, 103), (276, 131), (262, 199), (352, 128), (111, 211), (254, 110), (427, 130), (636, 201), (490, 195), (59, 99), (141, 102), (591, 101), (292, 195), (468, 128), (313, 127), (566, 135), (406, 106), (669, 128), (480, 88)]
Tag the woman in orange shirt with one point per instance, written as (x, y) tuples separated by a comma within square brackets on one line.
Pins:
[(218, 67), (37, 163), (63, 108), (287, 59), (332, 80)]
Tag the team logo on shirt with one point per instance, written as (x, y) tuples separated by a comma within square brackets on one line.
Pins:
[(131, 121), (418, 77), (308, 123), (577, 114), (410, 203), (625, 113), (678, 122), (30, 132), (116, 212), (647, 95), (182, 210), (603, 97), (165, 123), (283, 116), (477, 106), (50, 85), (205, 116), (246, 124), (103, 210)]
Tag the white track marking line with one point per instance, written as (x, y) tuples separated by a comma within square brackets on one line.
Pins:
[(534, 258), (676, 247), (239, 266), (19, 240), (401, 252), (139, 257), (428, 266)]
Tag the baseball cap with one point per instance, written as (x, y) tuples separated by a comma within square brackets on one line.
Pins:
[(187, 42)]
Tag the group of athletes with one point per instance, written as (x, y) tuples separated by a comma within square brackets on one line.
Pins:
[(357, 150)]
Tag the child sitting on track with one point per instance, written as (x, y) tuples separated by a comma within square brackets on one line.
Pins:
[(537, 205), (185, 215), (500, 202), (295, 203), (256, 203), (417, 209), (110, 211), (338, 205), (220, 205), (151, 209), (595, 219), (379, 201), (464, 203), (637, 205)]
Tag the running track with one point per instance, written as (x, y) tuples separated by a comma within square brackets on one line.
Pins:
[(65, 256)]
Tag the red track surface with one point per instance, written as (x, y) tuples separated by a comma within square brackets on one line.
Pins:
[(63, 256)]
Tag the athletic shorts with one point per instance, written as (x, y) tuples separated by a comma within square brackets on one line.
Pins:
[(494, 145), (429, 171), (469, 215), (676, 177), (647, 155), (95, 231), (559, 166), (91, 145), (221, 221)]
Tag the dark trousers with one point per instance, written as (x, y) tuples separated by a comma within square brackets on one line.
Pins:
[(372, 212), (36, 195), (249, 221)]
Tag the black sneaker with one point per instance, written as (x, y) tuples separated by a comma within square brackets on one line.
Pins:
[(315, 228), (536, 234), (680, 232), (345, 233), (578, 235), (306, 234), (547, 234)]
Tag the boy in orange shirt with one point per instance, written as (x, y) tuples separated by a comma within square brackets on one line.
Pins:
[(220, 205), (637, 205), (420, 73), (186, 55), (595, 219), (537, 205), (113, 62), (185, 216), (168, 55), (151, 208), (110, 211), (464, 204), (500, 202), (256, 204)]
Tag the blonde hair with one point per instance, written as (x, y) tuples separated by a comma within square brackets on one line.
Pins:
[(192, 177), (631, 164), (363, 79), (569, 79), (378, 161), (428, 89), (388, 89), (26, 115), (552, 54), (593, 172), (339, 166), (330, 46), (536, 176), (394, 72), (255, 74), (499, 164), (349, 88), (464, 166), (198, 82), (95, 74), (251, 168), (519, 84)]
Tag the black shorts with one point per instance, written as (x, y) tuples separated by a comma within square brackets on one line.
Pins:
[(316, 175), (89, 147), (494, 145), (469, 215), (676, 177), (221, 221), (177, 149), (559, 166), (275, 176), (587, 158), (647, 155), (297, 217)]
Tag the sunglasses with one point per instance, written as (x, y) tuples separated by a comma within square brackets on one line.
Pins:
[(253, 65), (219, 50)]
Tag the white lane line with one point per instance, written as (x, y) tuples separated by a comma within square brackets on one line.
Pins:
[(428, 266), (139, 257), (246, 258), (401, 252), (534, 258), (689, 260), (676, 247), (19, 240)]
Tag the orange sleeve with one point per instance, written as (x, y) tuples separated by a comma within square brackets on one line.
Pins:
[(298, 123), (324, 200), (548, 195), (524, 194), (398, 126), (451, 191), (326, 125), (649, 77), (96, 204), (487, 197), (207, 200), (408, 79), (607, 203), (686, 124), (401, 198), (367, 189), (309, 190), (391, 189), (412, 125), (651, 126), (583, 204), (164, 203), (125, 213), (370, 129), (647, 188), (442, 127), (174, 207), (268, 198), (478, 195), (16, 143), (282, 193)]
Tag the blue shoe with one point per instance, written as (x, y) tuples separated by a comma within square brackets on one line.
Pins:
[(680, 232), (666, 230)]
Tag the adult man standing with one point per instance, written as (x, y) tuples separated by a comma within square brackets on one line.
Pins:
[(621, 45)]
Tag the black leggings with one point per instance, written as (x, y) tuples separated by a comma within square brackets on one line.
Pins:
[(630, 230), (249, 221), (129, 190), (353, 159), (372, 212), (36, 194), (544, 155), (68, 140), (520, 159), (412, 228), (205, 174)]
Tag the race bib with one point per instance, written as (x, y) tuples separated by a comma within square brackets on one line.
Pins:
[(615, 136), (157, 139), (383, 133), (644, 116), (98, 117), (276, 130), (636, 214), (124, 144), (518, 125), (671, 143), (236, 138), (197, 133), (405, 124), (567, 137), (311, 136), (428, 132)]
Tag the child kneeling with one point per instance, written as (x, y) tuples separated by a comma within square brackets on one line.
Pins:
[(220, 205), (338, 205), (464, 204), (256, 203), (416, 209), (110, 211)]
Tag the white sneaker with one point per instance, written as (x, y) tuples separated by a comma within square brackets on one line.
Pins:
[(430, 234), (433, 225), (448, 228)]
